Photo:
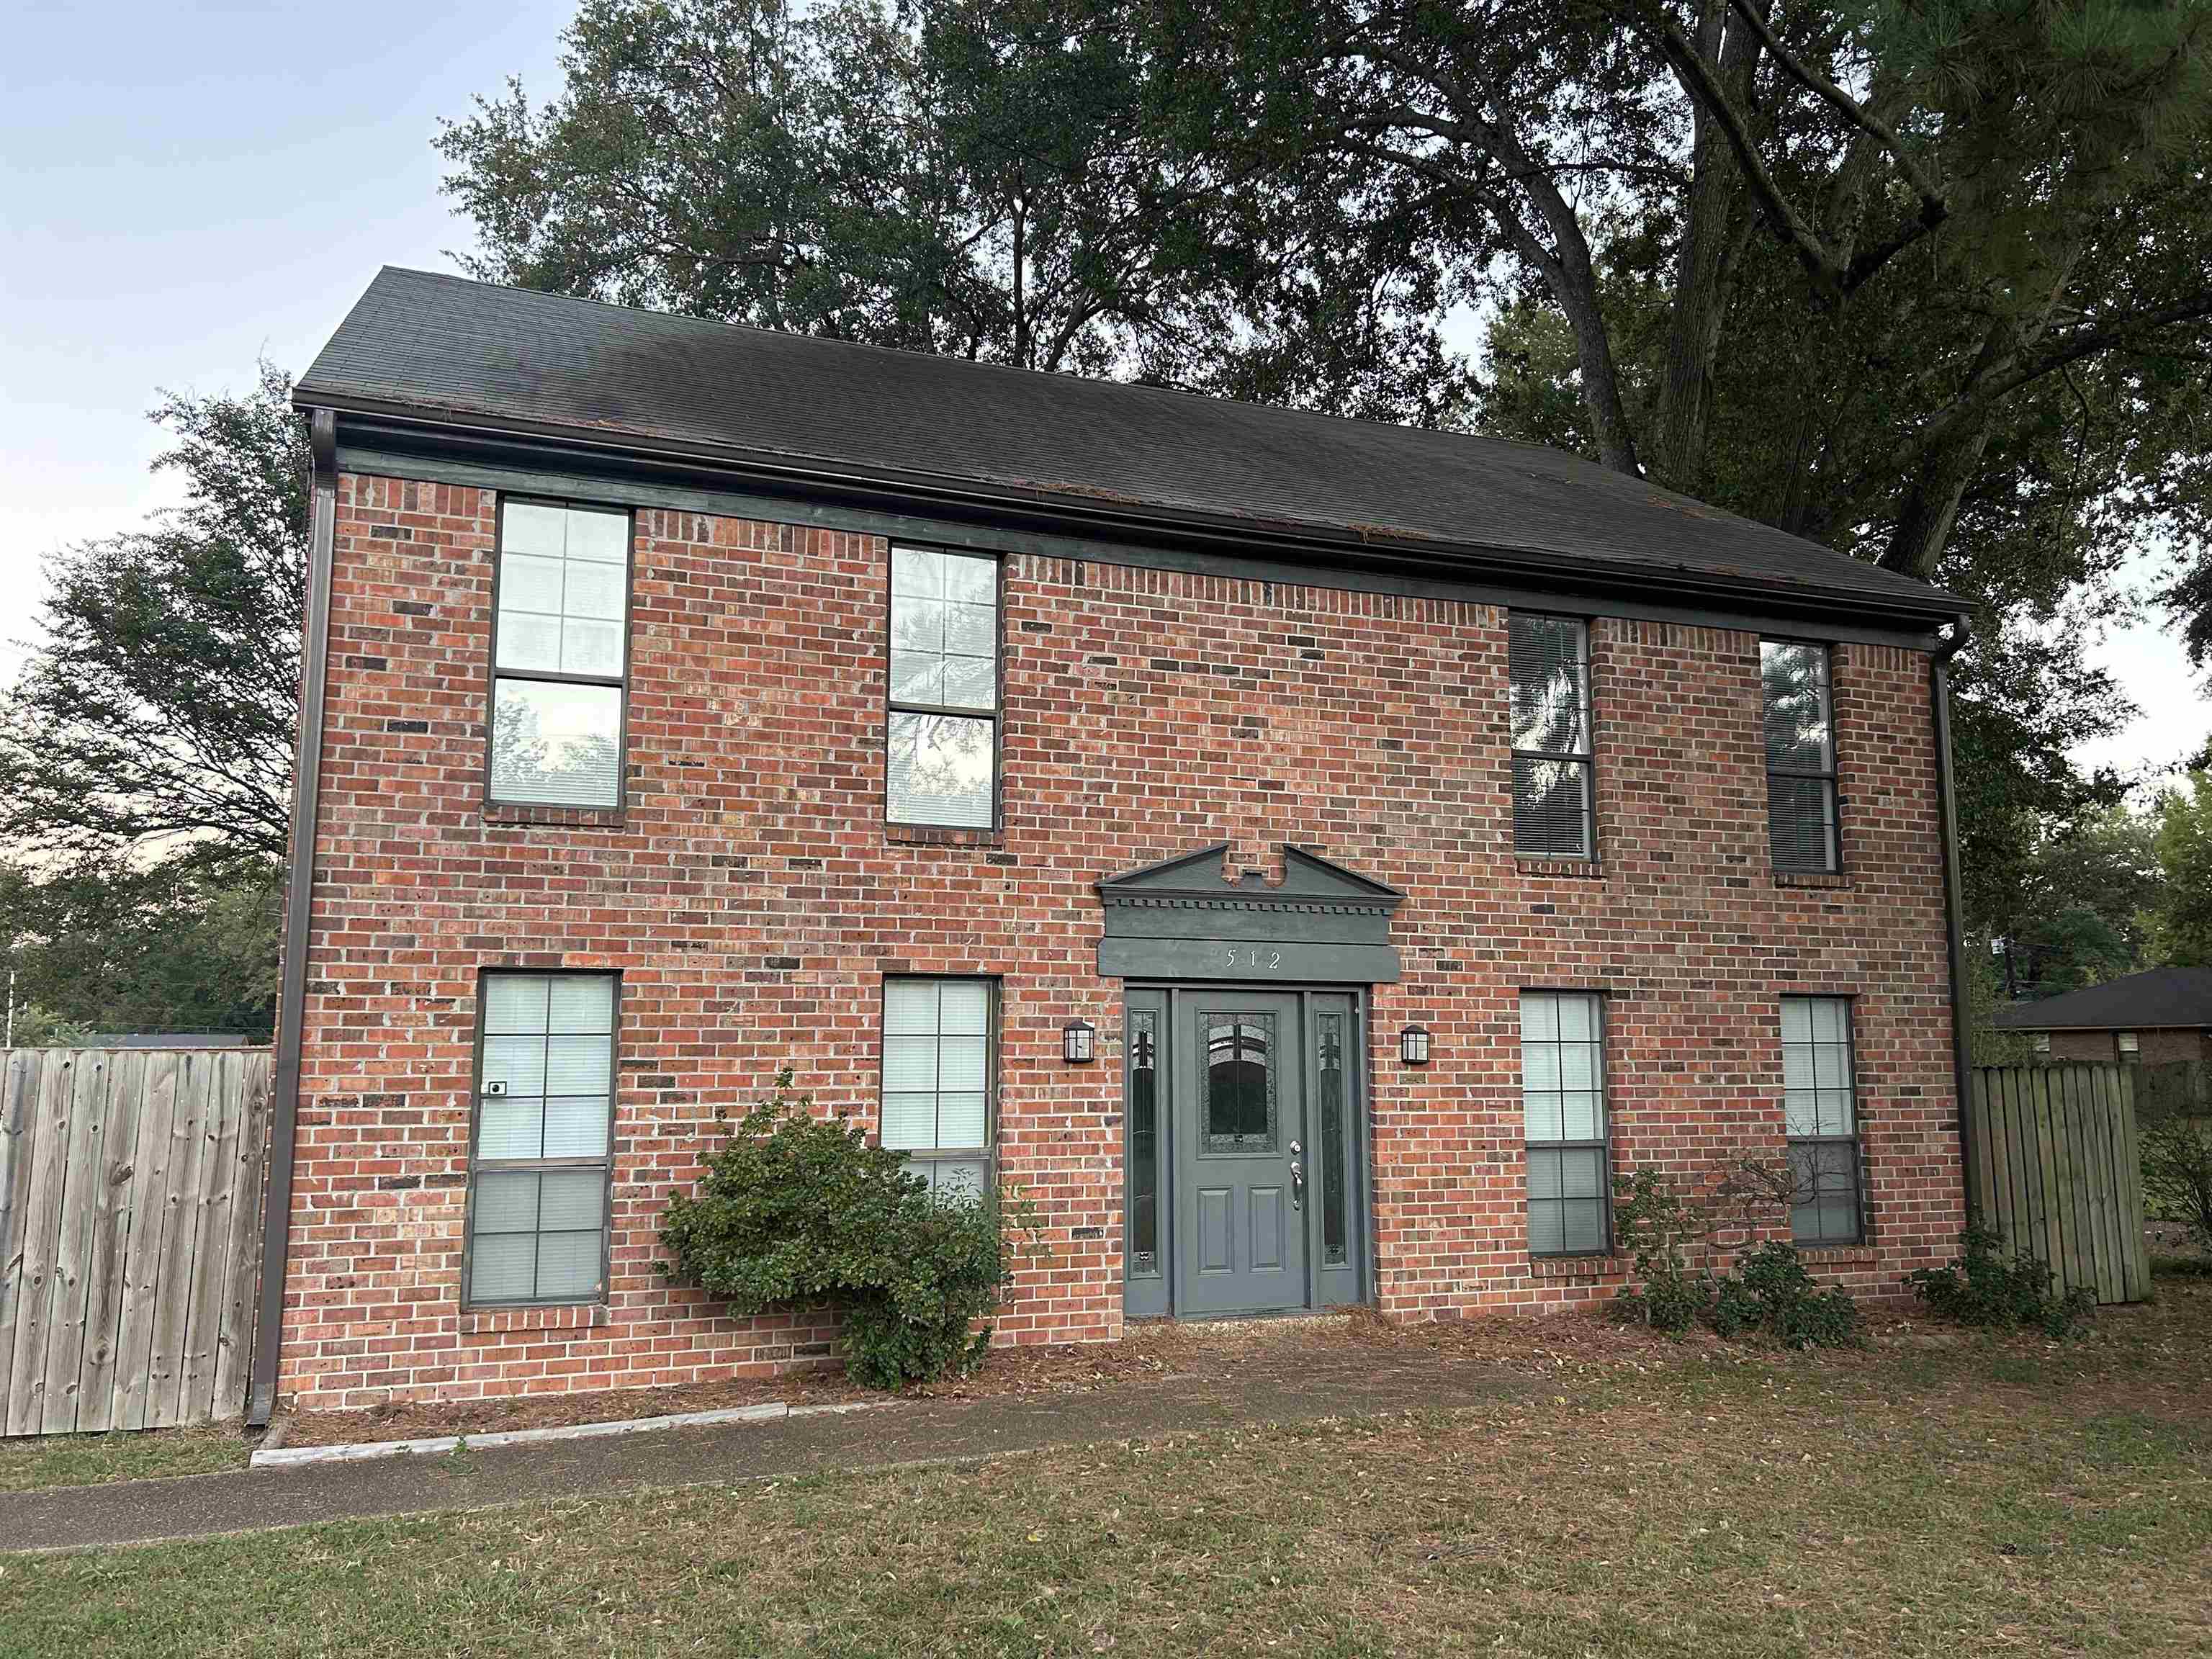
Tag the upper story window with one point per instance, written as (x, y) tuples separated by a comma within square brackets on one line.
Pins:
[(1549, 660), (1801, 758), (560, 655), (944, 727)]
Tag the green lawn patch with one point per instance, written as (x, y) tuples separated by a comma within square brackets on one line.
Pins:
[(1939, 1501), (92, 1460)]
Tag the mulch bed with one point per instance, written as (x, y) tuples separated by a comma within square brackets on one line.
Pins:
[(1558, 1344)]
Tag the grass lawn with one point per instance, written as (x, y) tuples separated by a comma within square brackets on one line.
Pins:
[(1982, 1496), (91, 1459)]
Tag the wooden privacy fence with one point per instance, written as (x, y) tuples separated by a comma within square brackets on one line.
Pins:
[(130, 1189), (2057, 1169)]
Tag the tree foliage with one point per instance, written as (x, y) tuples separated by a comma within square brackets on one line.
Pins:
[(2083, 913), (146, 757), (1000, 180), (181, 945), (2181, 924), (155, 716)]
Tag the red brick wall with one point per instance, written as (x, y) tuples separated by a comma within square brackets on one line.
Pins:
[(2084, 1045), (2164, 1047), (2158, 1048), (752, 900)]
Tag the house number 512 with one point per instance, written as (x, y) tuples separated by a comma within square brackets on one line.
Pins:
[(1252, 958)]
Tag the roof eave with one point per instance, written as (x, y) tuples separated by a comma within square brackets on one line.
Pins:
[(1462, 559)]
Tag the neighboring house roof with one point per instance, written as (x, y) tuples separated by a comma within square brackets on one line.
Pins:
[(168, 1039), (2164, 997), (424, 346)]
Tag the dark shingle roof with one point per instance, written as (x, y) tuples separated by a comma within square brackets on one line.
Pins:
[(2164, 996), (434, 345)]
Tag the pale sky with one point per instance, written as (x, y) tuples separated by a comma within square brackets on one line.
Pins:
[(184, 187)]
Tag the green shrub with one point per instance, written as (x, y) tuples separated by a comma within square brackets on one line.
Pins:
[(797, 1209), (1997, 1288), (1655, 1225), (1771, 1294), (2177, 1174)]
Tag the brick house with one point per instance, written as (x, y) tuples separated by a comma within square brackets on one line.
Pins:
[(1308, 857), (2152, 1018)]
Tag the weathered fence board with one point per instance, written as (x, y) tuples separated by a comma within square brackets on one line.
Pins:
[(110, 1233), (134, 1331), (34, 1262), (130, 1183), (2057, 1170), (16, 1143)]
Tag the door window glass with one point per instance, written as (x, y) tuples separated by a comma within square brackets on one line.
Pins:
[(1240, 1083)]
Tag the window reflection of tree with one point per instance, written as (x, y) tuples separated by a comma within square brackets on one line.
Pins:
[(1551, 718), (942, 759)]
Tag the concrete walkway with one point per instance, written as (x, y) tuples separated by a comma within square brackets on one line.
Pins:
[(1264, 1390)]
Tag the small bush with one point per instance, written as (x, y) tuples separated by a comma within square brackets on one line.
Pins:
[(1656, 1225), (796, 1209), (1771, 1294), (2177, 1172), (1995, 1288)]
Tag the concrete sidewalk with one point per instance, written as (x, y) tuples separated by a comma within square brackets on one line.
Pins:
[(190, 1506)]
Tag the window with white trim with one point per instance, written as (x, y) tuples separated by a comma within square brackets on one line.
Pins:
[(1548, 661), (943, 734), (2130, 1045), (540, 1144), (1820, 1112), (939, 1073), (1801, 758), (1563, 1111), (560, 655)]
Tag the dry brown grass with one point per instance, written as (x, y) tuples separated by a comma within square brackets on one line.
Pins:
[(1929, 1495)]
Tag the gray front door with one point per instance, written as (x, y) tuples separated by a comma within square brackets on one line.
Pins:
[(1243, 1179)]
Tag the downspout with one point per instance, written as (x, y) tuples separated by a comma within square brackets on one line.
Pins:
[(299, 897), (1947, 808)]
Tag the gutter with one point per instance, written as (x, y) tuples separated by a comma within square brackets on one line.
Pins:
[(1108, 516), (298, 899), (1939, 681)]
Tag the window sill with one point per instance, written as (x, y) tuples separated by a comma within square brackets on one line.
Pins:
[(1588, 1269), (1834, 881), (575, 818), (551, 1318), (1578, 869), (1838, 1255), (936, 834)]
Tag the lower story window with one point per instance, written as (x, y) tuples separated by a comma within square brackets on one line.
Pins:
[(1820, 1111), (539, 1145), (938, 1079), (1563, 1107)]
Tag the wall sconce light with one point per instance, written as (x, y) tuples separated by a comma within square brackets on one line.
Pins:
[(1413, 1045), (1078, 1043)]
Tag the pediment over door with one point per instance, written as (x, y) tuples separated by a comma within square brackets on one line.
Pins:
[(1179, 920)]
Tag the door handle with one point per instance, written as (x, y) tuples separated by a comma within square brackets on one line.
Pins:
[(1297, 1186)]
